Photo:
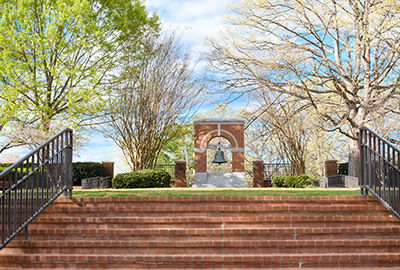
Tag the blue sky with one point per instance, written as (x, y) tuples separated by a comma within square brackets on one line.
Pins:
[(195, 21)]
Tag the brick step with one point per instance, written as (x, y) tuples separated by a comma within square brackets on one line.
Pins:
[(213, 222), (179, 210), (209, 205), (213, 201), (216, 234), (80, 203), (386, 215), (215, 225), (204, 247), (185, 199), (218, 267), (215, 267), (222, 219), (204, 261)]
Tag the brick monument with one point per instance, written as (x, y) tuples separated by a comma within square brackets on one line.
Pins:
[(204, 131)]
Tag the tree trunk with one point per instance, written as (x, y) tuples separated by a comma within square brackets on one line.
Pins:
[(354, 159)]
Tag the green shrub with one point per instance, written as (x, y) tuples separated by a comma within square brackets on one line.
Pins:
[(2, 179), (6, 178), (278, 181), (80, 170), (290, 181), (83, 170), (2, 169), (298, 181), (6, 165), (18, 171), (142, 179)]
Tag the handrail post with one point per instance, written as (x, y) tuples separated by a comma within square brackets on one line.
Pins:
[(362, 149), (68, 160)]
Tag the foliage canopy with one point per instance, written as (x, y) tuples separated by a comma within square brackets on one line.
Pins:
[(54, 54)]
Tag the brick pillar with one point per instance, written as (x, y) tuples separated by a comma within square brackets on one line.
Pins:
[(200, 163), (237, 161), (108, 169), (258, 173), (330, 168), (180, 173)]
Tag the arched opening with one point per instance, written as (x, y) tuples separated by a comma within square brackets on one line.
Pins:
[(212, 148), (230, 133)]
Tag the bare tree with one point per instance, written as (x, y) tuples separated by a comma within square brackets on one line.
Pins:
[(285, 122), (340, 56), (152, 97)]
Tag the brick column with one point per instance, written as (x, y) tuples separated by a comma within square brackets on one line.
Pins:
[(200, 164), (330, 168), (180, 173), (108, 169), (258, 173), (237, 161)]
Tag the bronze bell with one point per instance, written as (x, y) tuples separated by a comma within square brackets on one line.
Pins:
[(219, 157)]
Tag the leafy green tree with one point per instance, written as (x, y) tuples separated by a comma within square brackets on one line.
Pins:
[(54, 55)]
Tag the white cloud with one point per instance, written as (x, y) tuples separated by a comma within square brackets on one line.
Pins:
[(195, 20)]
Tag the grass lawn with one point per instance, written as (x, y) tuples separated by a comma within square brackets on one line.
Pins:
[(183, 192)]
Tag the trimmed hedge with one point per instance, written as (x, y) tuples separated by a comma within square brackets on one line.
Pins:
[(343, 168), (83, 170), (142, 179), (3, 169), (278, 180), (290, 181), (6, 165), (80, 170), (12, 175)]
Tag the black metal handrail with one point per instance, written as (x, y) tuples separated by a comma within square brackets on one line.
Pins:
[(32, 183), (169, 168), (380, 169), (273, 169)]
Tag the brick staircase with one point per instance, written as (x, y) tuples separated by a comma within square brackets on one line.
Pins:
[(209, 233)]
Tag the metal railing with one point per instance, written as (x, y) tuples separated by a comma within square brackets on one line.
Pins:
[(169, 168), (32, 183), (272, 169), (380, 169)]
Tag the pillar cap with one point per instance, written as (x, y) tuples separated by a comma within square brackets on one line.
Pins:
[(219, 121)]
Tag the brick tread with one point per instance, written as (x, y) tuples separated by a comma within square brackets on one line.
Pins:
[(218, 268), (264, 199), (223, 219), (237, 206), (207, 243), (205, 258), (209, 231)]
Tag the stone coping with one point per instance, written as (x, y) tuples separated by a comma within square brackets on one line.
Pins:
[(219, 121)]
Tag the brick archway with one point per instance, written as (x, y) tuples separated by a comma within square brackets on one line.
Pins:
[(204, 131)]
